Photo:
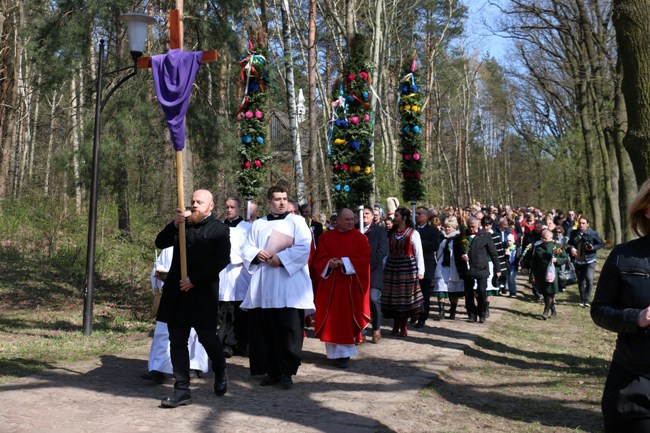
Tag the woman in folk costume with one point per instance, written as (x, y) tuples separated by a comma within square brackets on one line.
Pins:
[(401, 297), (448, 278)]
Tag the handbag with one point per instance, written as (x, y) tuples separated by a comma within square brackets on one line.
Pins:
[(549, 276), (567, 274)]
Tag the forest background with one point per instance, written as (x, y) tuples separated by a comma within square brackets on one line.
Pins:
[(546, 126)]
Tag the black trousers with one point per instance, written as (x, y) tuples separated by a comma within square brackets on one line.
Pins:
[(425, 286), (275, 340), (475, 307), (626, 401), (180, 355), (233, 325)]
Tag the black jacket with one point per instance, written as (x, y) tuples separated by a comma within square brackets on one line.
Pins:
[(623, 291), (378, 240), (208, 252), (580, 240), (430, 237), (481, 251)]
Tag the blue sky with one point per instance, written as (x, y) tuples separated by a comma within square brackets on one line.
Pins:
[(481, 16)]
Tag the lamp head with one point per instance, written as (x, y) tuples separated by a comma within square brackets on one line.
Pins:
[(138, 25)]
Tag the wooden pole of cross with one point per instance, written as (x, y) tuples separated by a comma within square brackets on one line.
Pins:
[(176, 41)]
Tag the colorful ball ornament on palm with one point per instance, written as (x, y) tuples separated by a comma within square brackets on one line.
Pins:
[(416, 156), (364, 75), (248, 114), (366, 117), (258, 163), (338, 187), (260, 140), (406, 157), (341, 123), (355, 145), (405, 128), (253, 87), (405, 88), (354, 120), (346, 188), (416, 129), (351, 77), (364, 95), (258, 114), (246, 139), (367, 170)]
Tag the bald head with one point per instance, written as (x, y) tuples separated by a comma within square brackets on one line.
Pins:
[(202, 205), (345, 220)]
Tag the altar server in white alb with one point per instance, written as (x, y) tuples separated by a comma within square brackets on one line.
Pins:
[(233, 285), (275, 253), (159, 359)]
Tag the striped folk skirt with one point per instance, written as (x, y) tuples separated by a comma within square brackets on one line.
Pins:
[(401, 295)]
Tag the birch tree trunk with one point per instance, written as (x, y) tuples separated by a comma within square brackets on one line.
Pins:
[(291, 99), (74, 99)]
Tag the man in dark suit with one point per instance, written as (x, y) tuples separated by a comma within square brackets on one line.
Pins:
[(378, 239), (315, 227), (431, 238), (481, 249), (191, 301)]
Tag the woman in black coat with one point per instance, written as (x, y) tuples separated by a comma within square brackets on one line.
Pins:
[(622, 305)]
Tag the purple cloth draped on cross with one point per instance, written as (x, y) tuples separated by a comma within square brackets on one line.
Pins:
[(173, 76)]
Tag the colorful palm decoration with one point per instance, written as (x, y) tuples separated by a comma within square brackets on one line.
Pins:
[(253, 122), (410, 108), (351, 130)]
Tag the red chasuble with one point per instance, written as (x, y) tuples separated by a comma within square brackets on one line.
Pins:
[(342, 301)]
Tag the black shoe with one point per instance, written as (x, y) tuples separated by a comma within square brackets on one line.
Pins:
[(221, 384), (196, 374), (419, 325), (471, 318), (227, 351), (412, 320), (340, 363), (481, 319), (286, 381), (270, 379), (178, 398), (155, 376)]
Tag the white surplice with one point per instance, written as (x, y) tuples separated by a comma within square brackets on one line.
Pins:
[(287, 286), (233, 283)]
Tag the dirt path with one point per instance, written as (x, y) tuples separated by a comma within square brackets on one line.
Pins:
[(378, 393)]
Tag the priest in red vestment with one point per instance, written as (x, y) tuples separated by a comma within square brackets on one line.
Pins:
[(342, 264)]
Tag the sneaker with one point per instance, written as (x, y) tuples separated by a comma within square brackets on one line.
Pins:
[(586, 305), (227, 351), (178, 398)]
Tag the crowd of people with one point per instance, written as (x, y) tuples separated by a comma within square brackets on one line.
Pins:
[(254, 284)]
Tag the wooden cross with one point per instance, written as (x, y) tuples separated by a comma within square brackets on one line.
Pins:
[(176, 41)]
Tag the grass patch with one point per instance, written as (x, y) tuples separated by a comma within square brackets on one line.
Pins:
[(529, 375)]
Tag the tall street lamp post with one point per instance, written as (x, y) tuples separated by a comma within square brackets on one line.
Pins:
[(137, 34)]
